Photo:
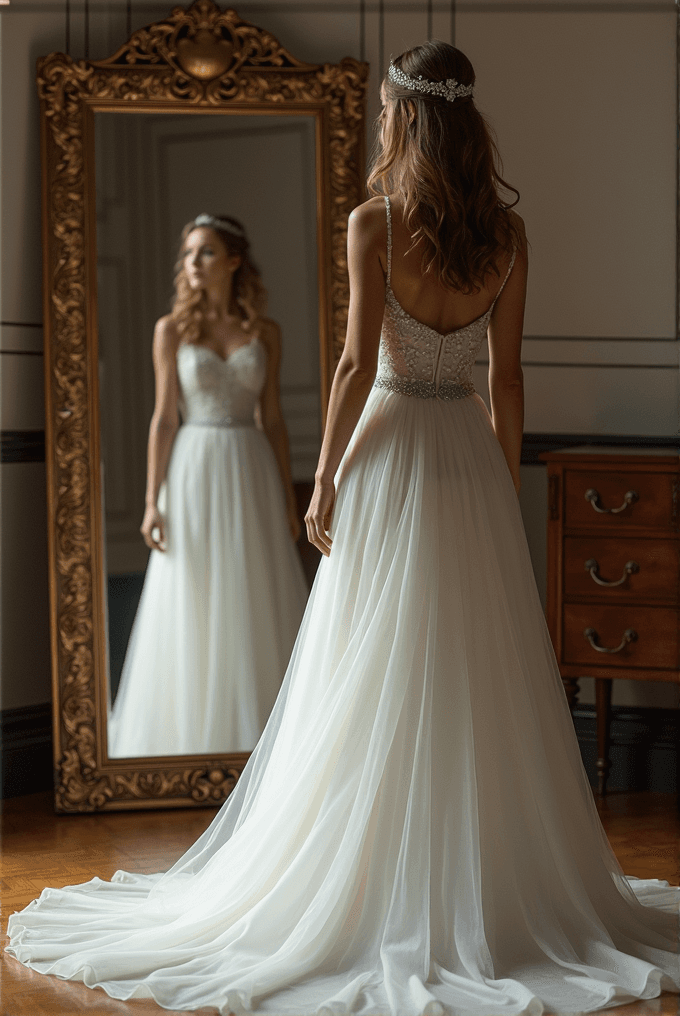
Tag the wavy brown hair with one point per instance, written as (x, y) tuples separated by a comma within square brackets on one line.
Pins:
[(189, 305), (445, 163)]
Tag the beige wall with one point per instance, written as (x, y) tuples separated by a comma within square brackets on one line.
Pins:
[(24, 640), (584, 106)]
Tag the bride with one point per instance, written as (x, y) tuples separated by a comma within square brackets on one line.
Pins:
[(414, 833), (220, 512)]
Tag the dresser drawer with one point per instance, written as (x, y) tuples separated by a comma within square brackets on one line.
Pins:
[(607, 506), (656, 579), (656, 646)]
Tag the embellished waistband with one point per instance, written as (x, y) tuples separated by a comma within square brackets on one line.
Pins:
[(226, 421), (419, 389)]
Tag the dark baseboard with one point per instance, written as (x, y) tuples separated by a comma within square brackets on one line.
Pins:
[(29, 445), (644, 748), (22, 446), (26, 750), (534, 444)]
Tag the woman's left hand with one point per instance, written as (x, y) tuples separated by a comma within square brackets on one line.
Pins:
[(319, 515)]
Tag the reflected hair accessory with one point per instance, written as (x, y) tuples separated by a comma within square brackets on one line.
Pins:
[(212, 220), (449, 89)]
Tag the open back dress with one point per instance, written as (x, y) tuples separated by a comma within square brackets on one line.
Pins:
[(414, 833)]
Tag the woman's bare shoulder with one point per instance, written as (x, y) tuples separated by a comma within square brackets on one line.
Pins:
[(367, 227), (166, 326), (518, 222), (369, 216), (165, 335)]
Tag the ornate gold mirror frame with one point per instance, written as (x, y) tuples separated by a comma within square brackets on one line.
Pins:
[(201, 60)]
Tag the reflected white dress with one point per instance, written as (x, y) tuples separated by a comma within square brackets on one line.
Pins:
[(221, 607), (414, 833)]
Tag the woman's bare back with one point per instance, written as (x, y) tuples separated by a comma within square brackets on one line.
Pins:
[(422, 297)]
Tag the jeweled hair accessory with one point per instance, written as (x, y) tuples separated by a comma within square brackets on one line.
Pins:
[(212, 220), (449, 89)]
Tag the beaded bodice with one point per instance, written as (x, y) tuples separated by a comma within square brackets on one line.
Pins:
[(414, 359), (217, 392)]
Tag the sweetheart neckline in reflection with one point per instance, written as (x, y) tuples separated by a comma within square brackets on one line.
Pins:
[(222, 359), (440, 335)]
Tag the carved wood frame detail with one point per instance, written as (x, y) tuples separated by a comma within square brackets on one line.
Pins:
[(200, 59)]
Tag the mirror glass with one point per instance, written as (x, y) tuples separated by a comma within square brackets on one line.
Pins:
[(198, 642)]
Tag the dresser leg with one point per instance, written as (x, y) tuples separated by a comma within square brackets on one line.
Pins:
[(571, 689), (603, 706)]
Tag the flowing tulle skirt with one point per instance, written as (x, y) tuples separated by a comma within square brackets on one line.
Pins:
[(414, 833), (220, 608)]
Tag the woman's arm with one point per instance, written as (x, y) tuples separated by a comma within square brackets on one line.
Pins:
[(163, 427), (366, 239), (506, 383), (271, 418)]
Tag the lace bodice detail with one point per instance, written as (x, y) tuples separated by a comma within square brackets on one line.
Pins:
[(220, 393), (414, 359)]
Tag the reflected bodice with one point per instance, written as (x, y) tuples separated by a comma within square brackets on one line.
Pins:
[(414, 359), (216, 392)]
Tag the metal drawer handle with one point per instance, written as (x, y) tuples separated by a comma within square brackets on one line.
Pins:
[(630, 568), (594, 498), (629, 635)]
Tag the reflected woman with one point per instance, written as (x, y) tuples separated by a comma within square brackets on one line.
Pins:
[(224, 591)]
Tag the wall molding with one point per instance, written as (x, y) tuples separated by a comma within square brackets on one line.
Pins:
[(595, 353), (600, 352), (590, 366), (21, 338), (598, 338)]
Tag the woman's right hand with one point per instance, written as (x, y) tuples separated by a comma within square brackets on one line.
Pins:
[(153, 520), (319, 515)]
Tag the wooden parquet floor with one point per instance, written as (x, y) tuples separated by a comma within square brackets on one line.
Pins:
[(42, 849)]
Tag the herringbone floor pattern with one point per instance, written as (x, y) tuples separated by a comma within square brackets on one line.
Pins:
[(42, 849)]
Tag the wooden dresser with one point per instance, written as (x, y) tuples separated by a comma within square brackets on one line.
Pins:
[(613, 599)]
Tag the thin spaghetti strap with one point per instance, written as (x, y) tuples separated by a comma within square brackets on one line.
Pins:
[(389, 238), (507, 274)]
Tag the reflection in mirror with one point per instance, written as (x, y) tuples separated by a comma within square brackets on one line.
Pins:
[(201, 626)]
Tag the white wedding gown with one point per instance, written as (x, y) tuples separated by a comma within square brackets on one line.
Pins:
[(414, 833), (221, 607)]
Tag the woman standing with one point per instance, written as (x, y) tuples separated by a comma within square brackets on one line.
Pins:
[(224, 591), (414, 833)]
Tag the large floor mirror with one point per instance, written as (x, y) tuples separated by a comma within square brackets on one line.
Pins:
[(154, 175), (198, 117)]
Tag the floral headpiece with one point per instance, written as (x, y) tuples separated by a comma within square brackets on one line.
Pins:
[(449, 89)]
